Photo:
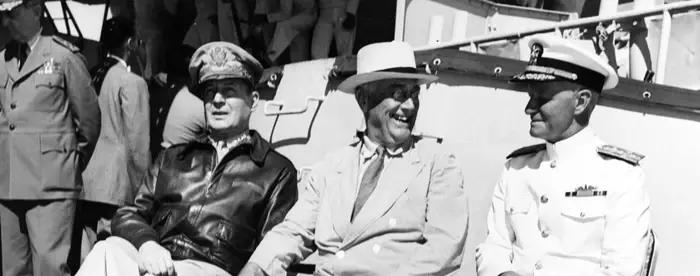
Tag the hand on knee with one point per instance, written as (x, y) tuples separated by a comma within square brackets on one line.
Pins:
[(155, 259)]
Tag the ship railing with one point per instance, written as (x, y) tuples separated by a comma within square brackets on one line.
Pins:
[(667, 11)]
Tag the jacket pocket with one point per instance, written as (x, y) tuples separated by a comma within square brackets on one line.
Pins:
[(49, 81), (583, 227), (59, 161)]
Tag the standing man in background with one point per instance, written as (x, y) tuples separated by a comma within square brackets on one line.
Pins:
[(336, 22), (122, 156), (294, 22), (49, 124)]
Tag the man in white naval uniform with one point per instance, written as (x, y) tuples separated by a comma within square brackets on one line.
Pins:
[(573, 205)]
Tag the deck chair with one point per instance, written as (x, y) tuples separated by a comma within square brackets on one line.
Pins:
[(652, 254)]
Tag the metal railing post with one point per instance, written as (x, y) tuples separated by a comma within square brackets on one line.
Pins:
[(663, 48), (400, 20)]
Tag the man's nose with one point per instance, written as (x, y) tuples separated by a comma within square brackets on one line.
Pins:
[(408, 104), (218, 100), (531, 107)]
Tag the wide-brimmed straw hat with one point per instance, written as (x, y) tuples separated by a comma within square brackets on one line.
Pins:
[(385, 60)]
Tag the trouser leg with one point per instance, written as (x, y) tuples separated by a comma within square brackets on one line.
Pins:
[(112, 257), (50, 227), (16, 252), (196, 268)]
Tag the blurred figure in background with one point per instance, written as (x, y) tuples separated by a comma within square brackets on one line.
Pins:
[(205, 27), (122, 155), (336, 22), (294, 23), (184, 121), (49, 124)]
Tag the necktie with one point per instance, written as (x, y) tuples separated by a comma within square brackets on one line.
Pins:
[(369, 182), (23, 53)]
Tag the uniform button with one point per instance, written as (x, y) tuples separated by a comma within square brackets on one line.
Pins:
[(392, 222), (376, 248), (545, 234), (13, 106), (12, 127), (544, 199), (582, 214), (538, 265), (340, 254), (553, 164)]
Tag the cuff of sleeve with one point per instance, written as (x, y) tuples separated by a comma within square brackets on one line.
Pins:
[(142, 236), (268, 262)]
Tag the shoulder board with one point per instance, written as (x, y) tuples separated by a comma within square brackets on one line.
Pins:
[(527, 150), (620, 153), (66, 44)]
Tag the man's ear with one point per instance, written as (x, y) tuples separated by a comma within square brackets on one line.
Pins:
[(255, 97), (583, 98), (37, 10)]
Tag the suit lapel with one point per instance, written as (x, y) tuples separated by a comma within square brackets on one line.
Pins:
[(36, 58), (344, 196), (11, 61), (393, 183)]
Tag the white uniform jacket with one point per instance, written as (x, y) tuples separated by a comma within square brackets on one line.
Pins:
[(577, 207)]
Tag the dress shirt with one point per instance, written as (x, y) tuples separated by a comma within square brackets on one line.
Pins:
[(224, 146), (369, 154)]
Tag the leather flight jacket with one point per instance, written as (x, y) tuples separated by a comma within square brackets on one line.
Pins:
[(216, 212)]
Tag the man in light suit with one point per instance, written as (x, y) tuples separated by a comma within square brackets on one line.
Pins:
[(337, 21), (388, 204), (49, 124), (574, 205)]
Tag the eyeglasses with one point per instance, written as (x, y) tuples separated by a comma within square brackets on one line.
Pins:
[(401, 92)]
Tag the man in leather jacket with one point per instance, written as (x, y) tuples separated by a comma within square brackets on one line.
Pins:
[(204, 206)]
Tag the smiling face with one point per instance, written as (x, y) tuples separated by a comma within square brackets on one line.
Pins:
[(391, 108), (558, 110), (22, 22), (228, 104)]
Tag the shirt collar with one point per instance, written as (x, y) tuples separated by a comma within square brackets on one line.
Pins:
[(579, 143), (259, 147), (369, 148), (32, 42), (120, 60)]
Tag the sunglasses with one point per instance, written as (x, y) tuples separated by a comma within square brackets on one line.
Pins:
[(401, 92)]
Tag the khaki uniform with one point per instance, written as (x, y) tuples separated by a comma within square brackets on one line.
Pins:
[(49, 124)]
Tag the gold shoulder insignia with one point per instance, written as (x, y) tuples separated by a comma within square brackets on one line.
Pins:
[(66, 44), (620, 154), (527, 150)]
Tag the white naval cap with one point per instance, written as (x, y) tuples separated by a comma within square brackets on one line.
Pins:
[(553, 58)]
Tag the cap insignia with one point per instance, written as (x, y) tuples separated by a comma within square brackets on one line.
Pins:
[(535, 53)]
